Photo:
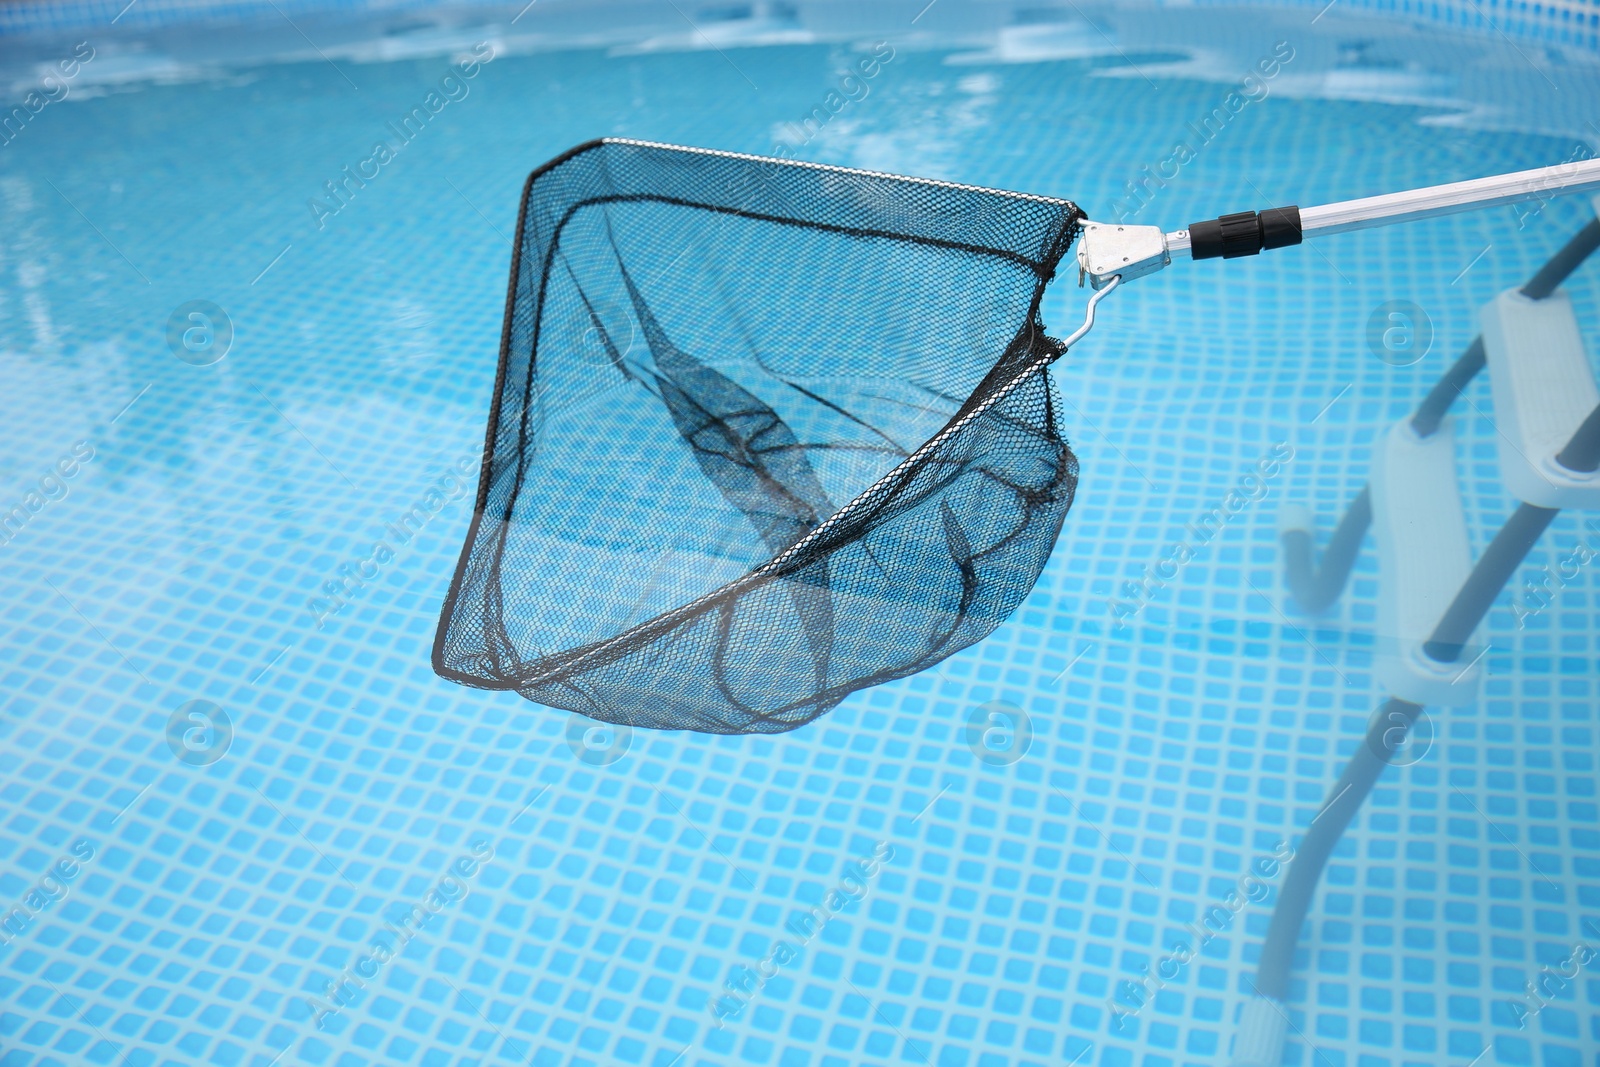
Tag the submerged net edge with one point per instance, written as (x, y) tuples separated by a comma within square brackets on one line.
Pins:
[(832, 533), (545, 690)]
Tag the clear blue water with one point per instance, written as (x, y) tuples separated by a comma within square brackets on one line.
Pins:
[(223, 874)]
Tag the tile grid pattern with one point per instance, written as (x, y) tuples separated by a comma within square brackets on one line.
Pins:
[(1167, 756)]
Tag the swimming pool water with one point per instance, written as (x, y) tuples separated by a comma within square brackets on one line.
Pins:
[(216, 540)]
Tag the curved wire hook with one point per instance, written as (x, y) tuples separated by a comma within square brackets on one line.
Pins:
[(1088, 314)]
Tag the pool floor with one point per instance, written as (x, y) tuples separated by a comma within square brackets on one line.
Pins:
[(218, 711)]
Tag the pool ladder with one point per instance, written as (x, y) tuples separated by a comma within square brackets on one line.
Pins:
[(1544, 392), (1431, 595)]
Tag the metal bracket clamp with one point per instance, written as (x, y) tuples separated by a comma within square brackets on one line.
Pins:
[(1106, 250)]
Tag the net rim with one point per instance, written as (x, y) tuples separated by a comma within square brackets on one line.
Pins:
[(831, 167)]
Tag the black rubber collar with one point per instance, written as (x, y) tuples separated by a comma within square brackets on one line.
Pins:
[(1245, 233)]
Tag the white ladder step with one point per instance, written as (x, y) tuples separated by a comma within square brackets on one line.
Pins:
[(1543, 389), (1423, 561)]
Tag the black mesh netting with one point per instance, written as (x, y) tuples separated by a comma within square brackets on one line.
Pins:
[(764, 433)]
